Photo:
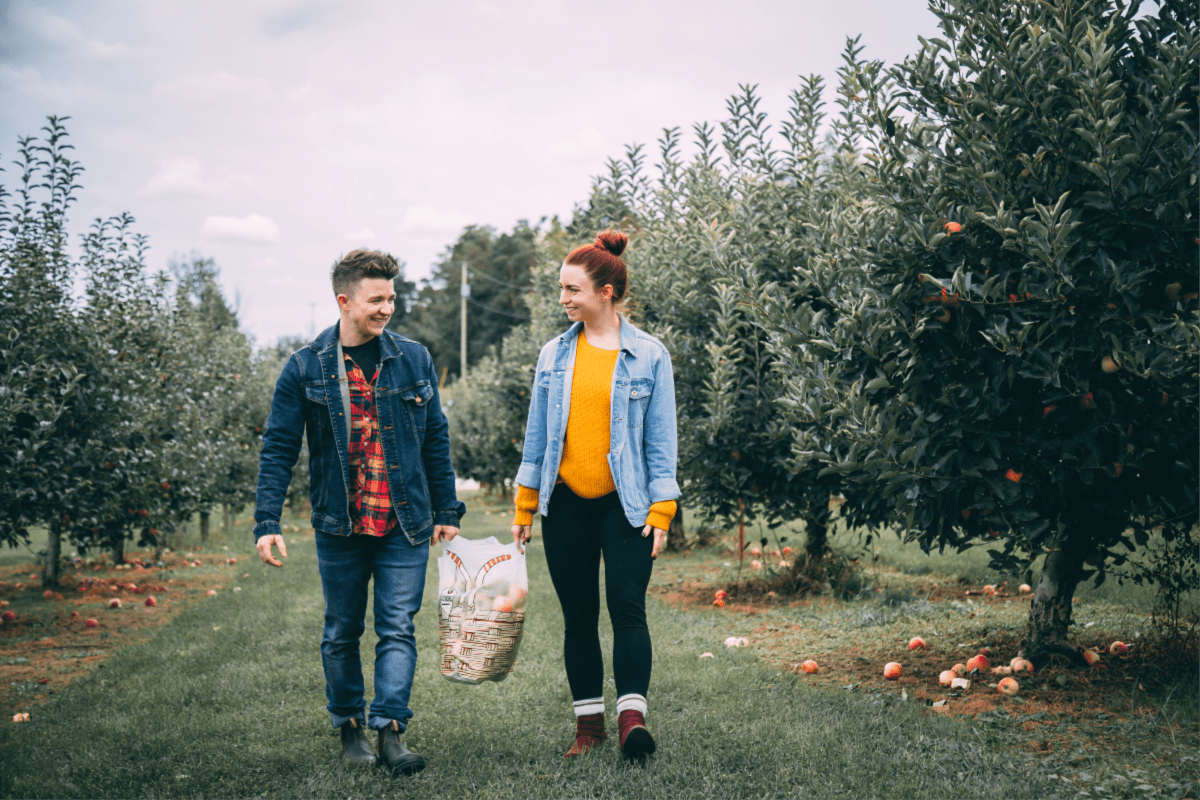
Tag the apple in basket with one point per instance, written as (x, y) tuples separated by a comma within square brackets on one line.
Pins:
[(502, 603), (483, 603), (518, 594)]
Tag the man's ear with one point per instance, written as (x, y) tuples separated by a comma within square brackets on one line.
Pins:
[(343, 301)]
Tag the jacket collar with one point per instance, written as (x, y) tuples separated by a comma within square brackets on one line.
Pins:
[(328, 338), (629, 335)]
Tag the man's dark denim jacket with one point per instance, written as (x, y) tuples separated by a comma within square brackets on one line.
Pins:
[(416, 442)]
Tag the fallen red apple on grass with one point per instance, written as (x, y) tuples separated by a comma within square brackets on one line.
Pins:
[(892, 670), (979, 662), (946, 677), (1118, 649), (8, 616), (959, 670), (1008, 687), (150, 601), (809, 666), (916, 643), (91, 623), (114, 603)]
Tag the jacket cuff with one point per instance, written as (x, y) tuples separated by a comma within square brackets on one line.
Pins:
[(267, 527), (661, 514), (529, 474), (661, 489), (450, 517)]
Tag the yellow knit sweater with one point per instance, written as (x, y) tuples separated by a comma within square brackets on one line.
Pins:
[(584, 467)]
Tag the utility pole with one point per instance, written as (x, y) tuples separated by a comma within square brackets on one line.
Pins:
[(462, 349)]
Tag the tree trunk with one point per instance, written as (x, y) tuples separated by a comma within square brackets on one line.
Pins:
[(53, 549), (228, 521), (204, 527), (117, 541), (816, 538), (676, 539), (741, 544), (1050, 609)]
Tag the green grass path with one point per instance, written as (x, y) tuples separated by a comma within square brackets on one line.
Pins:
[(239, 712)]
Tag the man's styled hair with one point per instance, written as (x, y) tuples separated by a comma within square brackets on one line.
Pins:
[(359, 264)]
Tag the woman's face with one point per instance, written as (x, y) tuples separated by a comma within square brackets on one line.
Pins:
[(580, 298)]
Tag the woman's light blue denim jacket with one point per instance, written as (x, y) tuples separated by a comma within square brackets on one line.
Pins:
[(643, 446)]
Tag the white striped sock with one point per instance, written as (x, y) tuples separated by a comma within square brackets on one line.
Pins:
[(631, 702), (593, 705)]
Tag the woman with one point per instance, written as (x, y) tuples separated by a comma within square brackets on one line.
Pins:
[(599, 465)]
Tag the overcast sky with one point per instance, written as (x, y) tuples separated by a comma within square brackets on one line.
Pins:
[(275, 136)]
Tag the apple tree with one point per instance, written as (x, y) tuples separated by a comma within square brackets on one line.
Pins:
[(1012, 351)]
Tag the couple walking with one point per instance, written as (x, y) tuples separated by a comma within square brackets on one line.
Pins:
[(598, 465)]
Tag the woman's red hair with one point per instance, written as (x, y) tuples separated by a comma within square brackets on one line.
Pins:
[(601, 260)]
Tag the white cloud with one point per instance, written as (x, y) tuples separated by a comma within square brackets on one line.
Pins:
[(54, 28), (186, 175), (588, 144), (424, 221), (218, 86), (365, 235), (252, 228)]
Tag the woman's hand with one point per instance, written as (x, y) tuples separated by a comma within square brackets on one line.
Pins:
[(660, 539), (521, 536)]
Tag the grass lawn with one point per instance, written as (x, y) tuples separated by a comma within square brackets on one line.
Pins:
[(226, 699)]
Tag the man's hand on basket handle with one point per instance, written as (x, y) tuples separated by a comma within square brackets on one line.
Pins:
[(521, 536), (264, 548), (443, 533)]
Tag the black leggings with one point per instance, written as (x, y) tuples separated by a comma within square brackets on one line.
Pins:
[(575, 533)]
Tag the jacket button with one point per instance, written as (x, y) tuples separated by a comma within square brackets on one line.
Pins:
[(635, 392), (418, 401)]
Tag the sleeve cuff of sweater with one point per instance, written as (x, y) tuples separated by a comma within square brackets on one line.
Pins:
[(661, 514), (527, 503)]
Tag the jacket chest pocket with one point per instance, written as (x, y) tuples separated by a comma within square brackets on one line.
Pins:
[(317, 407), (640, 390), (415, 398)]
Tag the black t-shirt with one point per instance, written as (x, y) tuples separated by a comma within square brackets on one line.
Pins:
[(366, 356)]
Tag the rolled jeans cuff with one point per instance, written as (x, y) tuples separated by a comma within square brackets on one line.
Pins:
[(338, 721)]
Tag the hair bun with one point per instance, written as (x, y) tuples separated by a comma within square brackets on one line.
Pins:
[(612, 241)]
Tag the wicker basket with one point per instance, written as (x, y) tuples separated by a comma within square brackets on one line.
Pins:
[(479, 647), (476, 645)]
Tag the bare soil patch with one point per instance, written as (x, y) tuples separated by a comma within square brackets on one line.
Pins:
[(49, 644)]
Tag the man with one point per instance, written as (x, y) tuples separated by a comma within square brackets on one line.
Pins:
[(382, 492)]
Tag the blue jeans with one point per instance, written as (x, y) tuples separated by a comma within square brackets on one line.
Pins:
[(346, 564)]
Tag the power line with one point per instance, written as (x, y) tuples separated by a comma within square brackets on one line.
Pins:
[(494, 310), (523, 287)]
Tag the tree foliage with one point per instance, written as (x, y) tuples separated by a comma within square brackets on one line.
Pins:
[(128, 409), (1010, 349)]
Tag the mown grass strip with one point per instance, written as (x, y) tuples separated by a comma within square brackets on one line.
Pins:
[(228, 701)]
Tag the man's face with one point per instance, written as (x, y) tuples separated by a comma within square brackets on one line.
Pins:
[(369, 306)]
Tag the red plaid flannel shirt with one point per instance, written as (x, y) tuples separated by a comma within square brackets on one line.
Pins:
[(369, 500)]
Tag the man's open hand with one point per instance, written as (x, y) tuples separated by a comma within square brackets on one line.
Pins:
[(264, 549), (444, 533)]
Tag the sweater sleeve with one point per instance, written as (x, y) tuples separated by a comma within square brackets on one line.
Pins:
[(527, 503), (661, 514)]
